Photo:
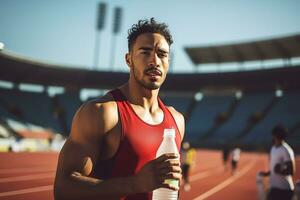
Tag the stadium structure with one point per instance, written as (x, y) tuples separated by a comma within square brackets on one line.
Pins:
[(221, 109)]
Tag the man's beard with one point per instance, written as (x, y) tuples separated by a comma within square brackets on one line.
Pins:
[(148, 85)]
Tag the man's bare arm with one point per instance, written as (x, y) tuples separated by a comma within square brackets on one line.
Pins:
[(80, 153)]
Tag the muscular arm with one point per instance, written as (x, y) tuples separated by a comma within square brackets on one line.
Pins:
[(80, 152), (91, 124)]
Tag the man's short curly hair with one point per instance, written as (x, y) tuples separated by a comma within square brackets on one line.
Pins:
[(148, 26)]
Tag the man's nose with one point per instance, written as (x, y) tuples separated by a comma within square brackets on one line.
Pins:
[(154, 61)]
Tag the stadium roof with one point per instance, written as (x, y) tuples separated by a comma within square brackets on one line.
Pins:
[(23, 70), (20, 70), (280, 48)]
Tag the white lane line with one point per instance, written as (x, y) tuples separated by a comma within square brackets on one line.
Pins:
[(26, 191), (225, 183), (27, 177), (205, 174), (29, 169)]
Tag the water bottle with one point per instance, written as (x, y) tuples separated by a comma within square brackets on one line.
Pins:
[(297, 189), (260, 187), (168, 145)]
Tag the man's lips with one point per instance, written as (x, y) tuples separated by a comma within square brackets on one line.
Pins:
[(154, 72)]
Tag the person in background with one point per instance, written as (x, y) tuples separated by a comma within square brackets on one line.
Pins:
[(282, 166), (235, 157), (188, 159), (225, 155)]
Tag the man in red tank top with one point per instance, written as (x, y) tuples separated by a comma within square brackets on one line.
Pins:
[(110, 153)]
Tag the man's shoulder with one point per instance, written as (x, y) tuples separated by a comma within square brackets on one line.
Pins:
[(98, 109), (287, 149), (179, 119), (177, 115), (105, 102), (95, 118), (174, 112)]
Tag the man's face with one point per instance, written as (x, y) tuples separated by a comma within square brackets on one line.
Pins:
[(276, 140), (149, 60)]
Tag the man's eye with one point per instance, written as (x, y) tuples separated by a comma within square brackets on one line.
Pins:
[(145, 52), (162, 55)]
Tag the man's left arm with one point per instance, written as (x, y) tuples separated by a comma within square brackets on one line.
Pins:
[(286, 168), (288, 165)]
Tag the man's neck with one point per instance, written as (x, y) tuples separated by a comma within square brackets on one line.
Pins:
[(141, 96), (279, 143)]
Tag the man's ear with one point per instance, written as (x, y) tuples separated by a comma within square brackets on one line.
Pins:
[(128, 59)]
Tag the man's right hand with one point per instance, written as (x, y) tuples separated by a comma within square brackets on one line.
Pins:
[(154, 173), (262, 173)]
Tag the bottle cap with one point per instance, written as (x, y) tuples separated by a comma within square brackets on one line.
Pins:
[(169, 132)]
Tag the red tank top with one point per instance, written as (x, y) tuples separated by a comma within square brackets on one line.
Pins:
[(139, 142)]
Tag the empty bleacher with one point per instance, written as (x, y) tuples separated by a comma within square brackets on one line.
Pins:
[(31, 107), (286, 112), (203, 117), (68, 103), (249, 104), (180, 103)]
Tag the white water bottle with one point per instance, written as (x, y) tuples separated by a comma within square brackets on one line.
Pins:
[(260, 187), (168, 145)]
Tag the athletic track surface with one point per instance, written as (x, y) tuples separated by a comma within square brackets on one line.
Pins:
[(25, 176)]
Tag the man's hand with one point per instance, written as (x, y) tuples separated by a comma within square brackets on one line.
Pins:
[(261, 173), (154, 173)]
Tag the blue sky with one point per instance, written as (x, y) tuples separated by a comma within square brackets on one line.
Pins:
[(63, 31)]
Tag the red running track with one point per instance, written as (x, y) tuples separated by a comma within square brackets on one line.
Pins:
[(30, 176)]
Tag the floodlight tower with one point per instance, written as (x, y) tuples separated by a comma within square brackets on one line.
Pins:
[(99, 27), (116, 30)]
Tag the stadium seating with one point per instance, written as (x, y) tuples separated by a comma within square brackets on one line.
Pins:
[(69, 102), (203, 117), (180, 103), (249, 104), (30, 107), (286, 112)]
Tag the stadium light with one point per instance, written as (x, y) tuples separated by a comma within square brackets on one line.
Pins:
[(278, 93), (116, 29), (238, 94), (198, 96), (101, 16), (101, 13), (117, 20), (1, 46)]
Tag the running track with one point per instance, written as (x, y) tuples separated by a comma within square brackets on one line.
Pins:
[(30, 176)]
